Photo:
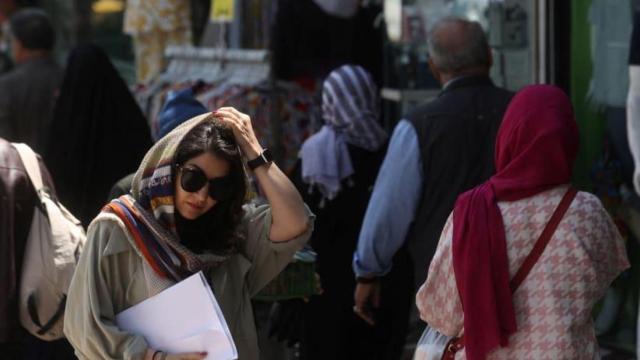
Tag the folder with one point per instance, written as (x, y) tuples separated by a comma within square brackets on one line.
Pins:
[(183, 318)]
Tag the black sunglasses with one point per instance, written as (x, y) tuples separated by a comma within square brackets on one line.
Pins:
[(193, 179)]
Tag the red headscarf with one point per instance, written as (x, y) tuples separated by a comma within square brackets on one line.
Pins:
[(535, 149)]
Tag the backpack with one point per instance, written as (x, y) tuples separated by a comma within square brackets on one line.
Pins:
[(52, 250)]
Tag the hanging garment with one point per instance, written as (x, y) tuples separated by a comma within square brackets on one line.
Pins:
[(307, 42), (155, 25)]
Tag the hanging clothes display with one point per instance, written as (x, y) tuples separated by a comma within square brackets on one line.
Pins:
[(295, 108), (296, 111), (250, 28), (155, 25), (257, 19), (283, 113), (308, 42)]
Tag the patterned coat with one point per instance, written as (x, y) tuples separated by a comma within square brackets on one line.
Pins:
[(554, 303)]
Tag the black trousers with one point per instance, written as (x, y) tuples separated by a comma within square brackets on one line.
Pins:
[(333, 331)]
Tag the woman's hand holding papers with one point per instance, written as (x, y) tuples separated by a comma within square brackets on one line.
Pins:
[(161, 355)]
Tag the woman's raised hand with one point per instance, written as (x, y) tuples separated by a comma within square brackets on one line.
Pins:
[(242, 129)]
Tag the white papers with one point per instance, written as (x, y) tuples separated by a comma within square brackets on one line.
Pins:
[(183, 318)]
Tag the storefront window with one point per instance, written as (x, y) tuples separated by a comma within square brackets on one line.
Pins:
[(510, 30)]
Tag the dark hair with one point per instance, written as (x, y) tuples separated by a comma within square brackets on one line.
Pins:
[(214, 230), (32, 27), (469, 49)]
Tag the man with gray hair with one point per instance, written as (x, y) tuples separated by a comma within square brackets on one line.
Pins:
[(438, 151)]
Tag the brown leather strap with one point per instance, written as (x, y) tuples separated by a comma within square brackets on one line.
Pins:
[(456, 344), (453, 346)]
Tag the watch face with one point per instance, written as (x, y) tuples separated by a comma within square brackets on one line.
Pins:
[(264, 158), (266, 155)]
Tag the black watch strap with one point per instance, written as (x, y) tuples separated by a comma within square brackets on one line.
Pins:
[(262, 159)]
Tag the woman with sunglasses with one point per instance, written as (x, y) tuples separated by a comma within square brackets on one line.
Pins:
[(187, 203)]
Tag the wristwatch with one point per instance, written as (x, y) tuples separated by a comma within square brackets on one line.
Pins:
[(262, 159)]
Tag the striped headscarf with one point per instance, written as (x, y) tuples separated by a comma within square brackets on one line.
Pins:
[(350, 108), (149, 212), (152, 185)]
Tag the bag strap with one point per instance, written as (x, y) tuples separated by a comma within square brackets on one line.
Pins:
[(32, 308), (457, 343), (30, 162), (543, 240)]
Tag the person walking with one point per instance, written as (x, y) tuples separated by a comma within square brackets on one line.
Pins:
[(188, 201), (438, 151), (335, 175), (19, 201), (495, 226), (28, 92)]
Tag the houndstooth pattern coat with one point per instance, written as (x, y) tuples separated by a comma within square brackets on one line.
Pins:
[(553, 305)]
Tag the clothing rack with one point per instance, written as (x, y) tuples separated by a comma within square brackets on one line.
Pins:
[(245, 67), (235, 66)]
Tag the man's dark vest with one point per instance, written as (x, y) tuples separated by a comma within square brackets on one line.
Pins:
[(456, 133)]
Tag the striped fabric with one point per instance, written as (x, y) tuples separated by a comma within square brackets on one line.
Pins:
[(149, 213), (152, 184), (162, 260), (350, 108)]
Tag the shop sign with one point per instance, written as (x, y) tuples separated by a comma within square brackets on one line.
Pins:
[(222, 10)]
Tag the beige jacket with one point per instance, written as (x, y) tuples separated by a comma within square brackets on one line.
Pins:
[(113, 276)]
